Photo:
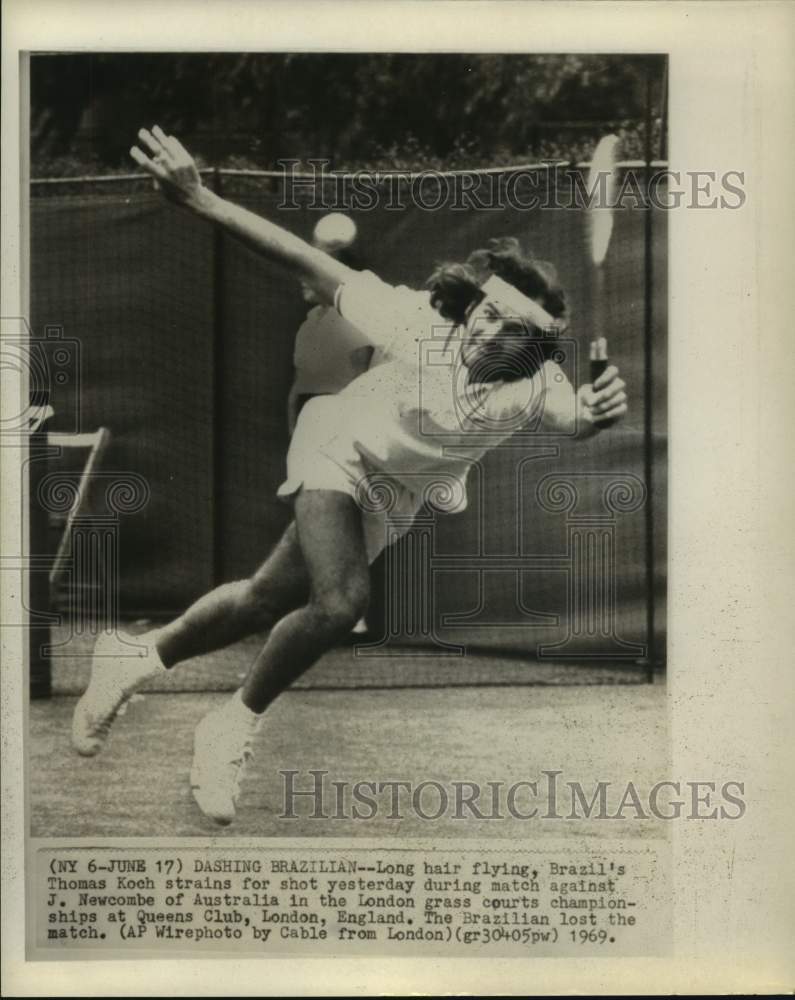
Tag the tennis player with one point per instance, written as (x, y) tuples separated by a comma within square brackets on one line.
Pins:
[(421, 417)]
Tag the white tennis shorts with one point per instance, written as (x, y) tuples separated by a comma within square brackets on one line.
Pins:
[(323, 456)]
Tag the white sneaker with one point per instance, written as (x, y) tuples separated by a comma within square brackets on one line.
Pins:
[(221, 749), (117, 670)]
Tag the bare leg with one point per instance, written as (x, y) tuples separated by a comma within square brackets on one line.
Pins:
[(223, 616), (236, 610), (332, 540)]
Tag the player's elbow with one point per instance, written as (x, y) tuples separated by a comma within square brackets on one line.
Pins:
[(322, 273)]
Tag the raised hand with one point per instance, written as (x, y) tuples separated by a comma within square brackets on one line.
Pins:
[(174, 171), (171, 166)]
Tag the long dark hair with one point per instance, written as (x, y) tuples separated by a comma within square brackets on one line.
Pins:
[(455, 288)]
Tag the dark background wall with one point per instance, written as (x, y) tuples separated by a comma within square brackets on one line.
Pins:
[(137, 283)]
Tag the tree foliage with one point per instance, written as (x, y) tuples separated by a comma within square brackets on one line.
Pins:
[(353, 109)]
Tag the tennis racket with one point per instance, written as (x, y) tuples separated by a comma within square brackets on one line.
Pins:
[(601, 185)]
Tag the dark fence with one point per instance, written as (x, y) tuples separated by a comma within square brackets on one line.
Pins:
[(182, 347)]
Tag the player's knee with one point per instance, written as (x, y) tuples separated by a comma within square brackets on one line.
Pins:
[(256, 603), (337, 612)]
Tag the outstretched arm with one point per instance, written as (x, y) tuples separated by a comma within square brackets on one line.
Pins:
[(175, 173)]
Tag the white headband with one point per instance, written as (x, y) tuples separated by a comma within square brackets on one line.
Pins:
[(519, 304)]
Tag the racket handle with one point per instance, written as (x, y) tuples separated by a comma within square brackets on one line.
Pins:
[(598, 357)]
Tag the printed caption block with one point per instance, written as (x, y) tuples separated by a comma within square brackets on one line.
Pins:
[(352, 900)]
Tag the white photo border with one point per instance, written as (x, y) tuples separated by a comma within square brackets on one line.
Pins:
[(730, 678)]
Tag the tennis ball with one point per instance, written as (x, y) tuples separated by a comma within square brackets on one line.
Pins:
[(335, 231)]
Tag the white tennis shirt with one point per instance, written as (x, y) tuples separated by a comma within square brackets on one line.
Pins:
[(414, 415), (325, 353)]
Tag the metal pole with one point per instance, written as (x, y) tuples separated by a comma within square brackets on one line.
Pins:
[(218, 390), (664, 109), (39, 596), (648, 388)]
